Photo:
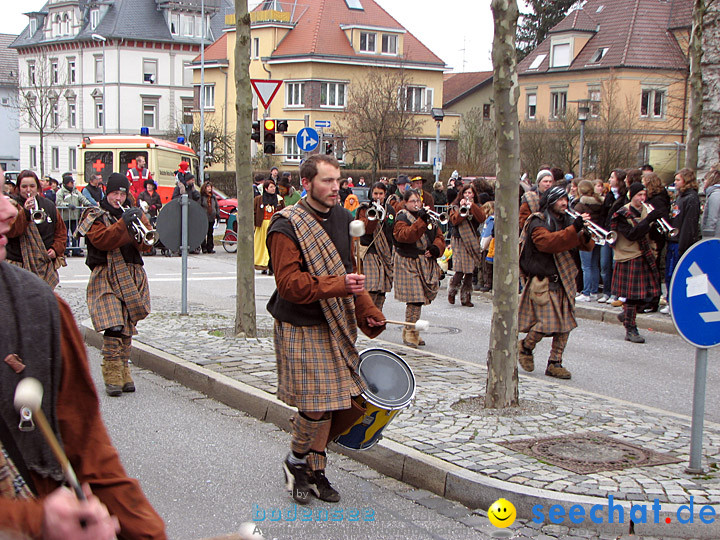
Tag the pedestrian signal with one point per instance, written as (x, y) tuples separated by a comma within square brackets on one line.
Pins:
[(269, 137), (328, 148)]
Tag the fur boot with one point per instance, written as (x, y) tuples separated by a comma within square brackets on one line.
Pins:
[(112, 365)]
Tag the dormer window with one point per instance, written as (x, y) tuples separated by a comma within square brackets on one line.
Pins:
[(367, 42), (174, 24), (561, 55), (94, 18), (55, 28), (33, 26), (389, 44), (599, 54), (66, 25)]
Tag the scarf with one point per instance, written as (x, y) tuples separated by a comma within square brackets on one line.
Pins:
[(322, 259), (35, 257), (470, 239), (429, 269)]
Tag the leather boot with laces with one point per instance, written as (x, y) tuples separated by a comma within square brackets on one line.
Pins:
[(632, 335), (322, 488), (297, 480)]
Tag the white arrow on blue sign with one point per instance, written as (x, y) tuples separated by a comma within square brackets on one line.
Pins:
[(694, 297), (322, 123), (307, 139)]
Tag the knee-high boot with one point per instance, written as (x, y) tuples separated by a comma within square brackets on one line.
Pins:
[(128, 383), (453, 286), (112, 365), (466, 291)]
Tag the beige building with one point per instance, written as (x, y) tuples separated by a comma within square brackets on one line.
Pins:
[(319, 50), (626, 56), (463, 92)]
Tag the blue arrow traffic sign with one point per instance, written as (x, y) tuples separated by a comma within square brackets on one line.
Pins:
[(322, 123), (307, 139), (694, 296)]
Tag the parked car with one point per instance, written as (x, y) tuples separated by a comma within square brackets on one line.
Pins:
[(226, 204), (362, 193)]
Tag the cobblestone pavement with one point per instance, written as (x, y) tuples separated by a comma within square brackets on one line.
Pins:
[(472, 441)]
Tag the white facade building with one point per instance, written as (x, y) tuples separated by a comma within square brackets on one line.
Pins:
[(10, 140), (111, 66)]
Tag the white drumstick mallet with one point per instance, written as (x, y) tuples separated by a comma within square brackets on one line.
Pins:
[(29, 394), (357, 229), (421, 325)]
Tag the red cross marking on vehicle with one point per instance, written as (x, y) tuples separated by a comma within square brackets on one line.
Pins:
[(98, 165), (132, 164)]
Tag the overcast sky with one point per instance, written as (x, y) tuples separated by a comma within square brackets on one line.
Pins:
[(460, 31)]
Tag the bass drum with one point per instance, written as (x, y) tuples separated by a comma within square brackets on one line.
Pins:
[(391, 388)]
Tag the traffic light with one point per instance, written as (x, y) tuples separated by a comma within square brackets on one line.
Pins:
[(328, 148), (256, 131), (269, 137), (281, 126)]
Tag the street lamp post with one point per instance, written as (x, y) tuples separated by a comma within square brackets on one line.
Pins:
[(202, 92), (102, 39), (438, 114), (583, 113)]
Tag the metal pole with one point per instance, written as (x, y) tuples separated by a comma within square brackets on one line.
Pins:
[(104, 97), (582, 147), (202, 92), (184, 251), (437, 152), (698, 412)]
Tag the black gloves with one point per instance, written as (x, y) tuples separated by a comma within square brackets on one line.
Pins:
[(422, 214), (579, 223), (434, 251), (130, 214)]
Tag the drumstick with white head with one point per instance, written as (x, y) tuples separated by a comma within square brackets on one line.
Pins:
[(357, 229), (28, 395), (421, 325)]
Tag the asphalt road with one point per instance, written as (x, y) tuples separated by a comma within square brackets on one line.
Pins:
[(658, 373)]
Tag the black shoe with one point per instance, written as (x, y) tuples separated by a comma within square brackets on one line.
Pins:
[(297, 481), (633, 336), (621, 317), (322, 489)]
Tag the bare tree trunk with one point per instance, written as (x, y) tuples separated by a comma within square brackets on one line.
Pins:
[(245, 323), (695, 104), (42, 153), (502, 380)]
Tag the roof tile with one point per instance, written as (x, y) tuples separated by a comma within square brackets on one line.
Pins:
[(456, 85)]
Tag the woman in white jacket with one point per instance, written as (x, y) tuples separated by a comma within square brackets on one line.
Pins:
[(711, 215)]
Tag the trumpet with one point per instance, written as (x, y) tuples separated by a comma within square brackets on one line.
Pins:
[(376, 212), (38, 215), (143, 235), (465, 210), (600, 235), (440, 219), (662, 224)]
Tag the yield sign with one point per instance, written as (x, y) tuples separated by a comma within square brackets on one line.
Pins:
[(265, 90)]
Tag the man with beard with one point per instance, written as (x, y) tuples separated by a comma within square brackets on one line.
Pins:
[(530, 202), (117, 293), (547, 304), (318, 306)]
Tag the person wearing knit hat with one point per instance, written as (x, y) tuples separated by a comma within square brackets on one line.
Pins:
[(547, 262), (635, 274), (530, 202), (70, 203), (117, 294)]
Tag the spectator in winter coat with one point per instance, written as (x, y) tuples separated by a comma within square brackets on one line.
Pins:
[(439, 195), (209, 202), (614, 200), (188, 186), (69, 201), (589, 202), (658, 197), (93, 192), (152, 198), (711, 215)]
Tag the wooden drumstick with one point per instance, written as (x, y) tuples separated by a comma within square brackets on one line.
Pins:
[(29, 393), (420, 325)]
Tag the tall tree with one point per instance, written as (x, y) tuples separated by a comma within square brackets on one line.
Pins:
[(219, 145), (39, 100), (476, 144), (501, 389), (245, 315), (376, 120), (535, 24)]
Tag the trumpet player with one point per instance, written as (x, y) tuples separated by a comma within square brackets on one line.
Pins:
[(377, 264), (419, 242), (547, 260), (466, 217), (635, 276), (37, 238), (117, 293)]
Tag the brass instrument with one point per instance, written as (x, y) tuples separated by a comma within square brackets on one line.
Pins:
[(600, 235), (376, 212), (38, 215), (465, 209), (438, 219), (143, 235), (662, 224)]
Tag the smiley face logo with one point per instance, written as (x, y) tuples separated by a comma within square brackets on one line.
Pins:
[(502, 513)]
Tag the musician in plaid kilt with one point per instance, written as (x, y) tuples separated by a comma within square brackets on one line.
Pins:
[(636, 275), (36, 247), (117, 293), (318, 306), (377, 264), (467, 252), (547, 303), (418, 243)]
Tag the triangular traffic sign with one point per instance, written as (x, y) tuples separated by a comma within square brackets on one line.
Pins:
[(265, 90)]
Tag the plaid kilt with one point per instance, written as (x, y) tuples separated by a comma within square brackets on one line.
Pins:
[(310, 377), (635, 279), (463, 261), (558, 315), (408, 281), (105, 306), (376, 279)]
